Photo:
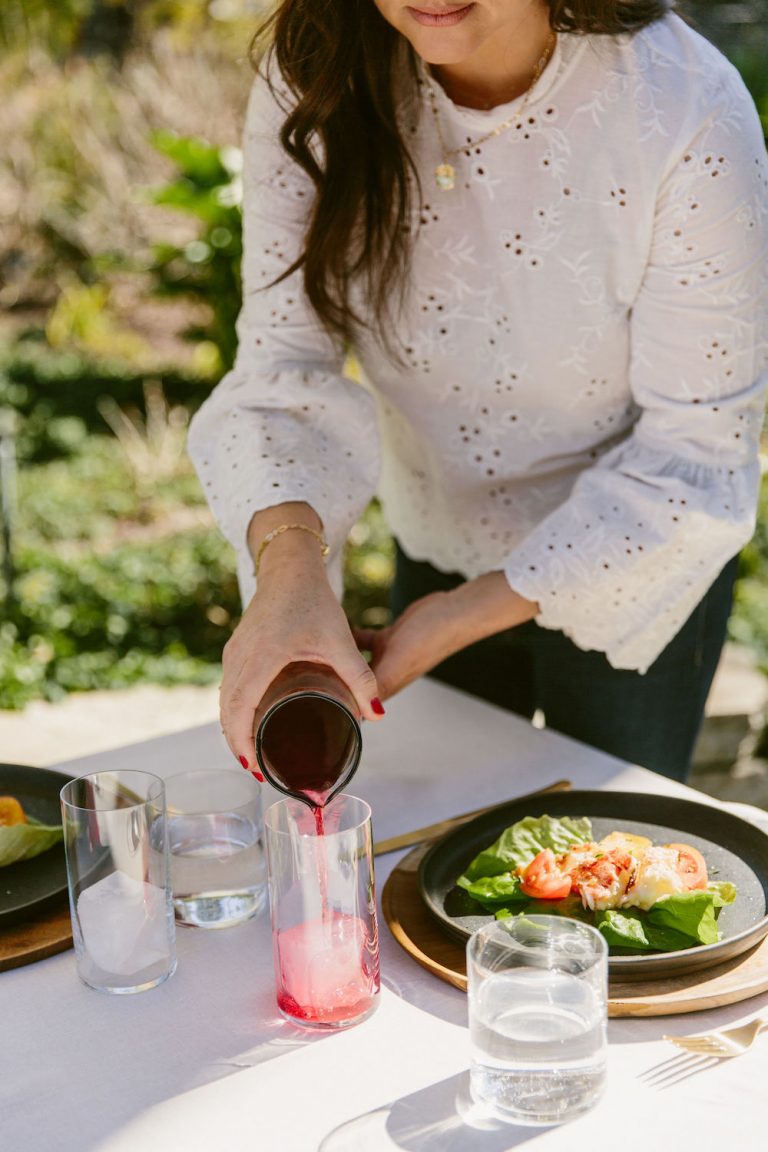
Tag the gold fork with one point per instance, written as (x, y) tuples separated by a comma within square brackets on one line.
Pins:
[(722, 1045)]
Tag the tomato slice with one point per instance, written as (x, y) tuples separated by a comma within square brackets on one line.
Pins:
[(543, 880), (691, 865)]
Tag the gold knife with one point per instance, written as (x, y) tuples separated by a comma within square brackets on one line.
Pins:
[(432, 831)]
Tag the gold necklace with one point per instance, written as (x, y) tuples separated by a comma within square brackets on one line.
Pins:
[(445, 172)]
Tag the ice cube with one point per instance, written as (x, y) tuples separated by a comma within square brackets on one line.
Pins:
[(322, 962), (124, 923)]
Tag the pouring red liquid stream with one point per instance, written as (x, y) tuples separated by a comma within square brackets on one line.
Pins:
[(309, 747)]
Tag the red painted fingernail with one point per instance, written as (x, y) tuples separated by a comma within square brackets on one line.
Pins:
[(253, 771), (377, 706)]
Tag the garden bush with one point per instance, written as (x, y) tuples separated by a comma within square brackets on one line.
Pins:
[(206, 270), (155, 611), (56, 394), (120, 577)]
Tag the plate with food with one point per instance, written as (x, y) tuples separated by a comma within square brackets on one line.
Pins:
[(674, 885), (33, 870)]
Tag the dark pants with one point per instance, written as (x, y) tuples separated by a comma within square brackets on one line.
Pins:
[(651, 719)]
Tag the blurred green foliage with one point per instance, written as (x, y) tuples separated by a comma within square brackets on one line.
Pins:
[(93, 621), (740, 30), (56, 395), (110, 589), (54, 24), (116, 27), (207, 269), (368, 570)]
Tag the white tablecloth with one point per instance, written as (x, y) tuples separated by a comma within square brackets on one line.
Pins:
[(205, 1062)]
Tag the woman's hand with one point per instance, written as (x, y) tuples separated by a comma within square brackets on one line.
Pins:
[(433, 628), (293, 616)]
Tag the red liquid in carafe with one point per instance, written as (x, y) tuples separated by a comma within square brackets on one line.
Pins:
[(308, 743)]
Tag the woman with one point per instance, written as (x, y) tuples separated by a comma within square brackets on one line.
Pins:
[(540, 225)]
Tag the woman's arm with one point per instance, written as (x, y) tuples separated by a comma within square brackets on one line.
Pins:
[(294, 615), (284, 438), (434, 627)]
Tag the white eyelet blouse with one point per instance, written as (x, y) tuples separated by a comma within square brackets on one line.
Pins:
[(585, 348)]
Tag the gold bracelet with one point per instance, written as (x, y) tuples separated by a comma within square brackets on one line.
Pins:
[(270, 536)]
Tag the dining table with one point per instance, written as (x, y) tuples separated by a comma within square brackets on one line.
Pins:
[(205, 1061)]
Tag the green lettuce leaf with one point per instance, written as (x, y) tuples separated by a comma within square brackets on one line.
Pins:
[(622, 931), (672, 923), (570, 906), (694, 914), (631, 931), (23, 841), (723, 892), (519, 843), (491, 891)]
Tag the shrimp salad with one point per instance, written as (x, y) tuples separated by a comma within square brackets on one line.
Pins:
[(642, 896), (619, 871)]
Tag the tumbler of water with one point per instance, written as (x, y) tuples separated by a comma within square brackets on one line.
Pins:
[(218, 872), (115, 839), (538, 990)]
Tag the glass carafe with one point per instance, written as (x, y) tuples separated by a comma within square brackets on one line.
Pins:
[(307, 731)]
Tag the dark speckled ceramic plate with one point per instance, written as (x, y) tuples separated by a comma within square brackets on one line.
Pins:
[(733, 849), (29, 886)]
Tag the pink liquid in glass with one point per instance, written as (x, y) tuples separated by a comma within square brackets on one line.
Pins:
[(327, 967), (329, 971)]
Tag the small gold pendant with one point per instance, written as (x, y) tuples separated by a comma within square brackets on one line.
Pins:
[(445, 177)]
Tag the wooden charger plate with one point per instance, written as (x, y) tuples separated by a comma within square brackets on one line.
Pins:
[(37, 937), (419, 935)]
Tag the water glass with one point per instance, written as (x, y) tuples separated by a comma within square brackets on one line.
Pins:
[(116, 846), (538, 990), (218, 874), (323, 905)]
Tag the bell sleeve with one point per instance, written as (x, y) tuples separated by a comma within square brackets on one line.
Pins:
[(285, 424), (622, 563)]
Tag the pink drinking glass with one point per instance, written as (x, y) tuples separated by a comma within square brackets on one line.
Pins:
[(323, 905)]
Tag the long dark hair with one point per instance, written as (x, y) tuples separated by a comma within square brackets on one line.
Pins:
[(346, 67)]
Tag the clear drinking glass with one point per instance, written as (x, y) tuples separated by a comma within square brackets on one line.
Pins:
[(323, 905), (307, 733), (116, 845), (218, 874), (538, 989)]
